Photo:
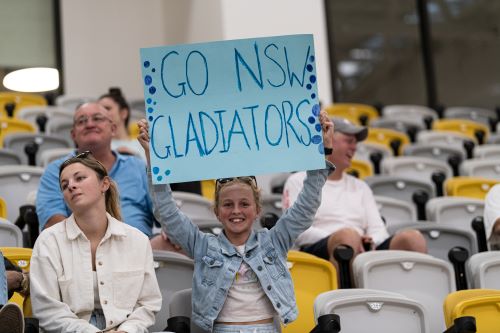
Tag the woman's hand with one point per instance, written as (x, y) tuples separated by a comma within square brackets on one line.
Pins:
[(143, 137), (327, 128)]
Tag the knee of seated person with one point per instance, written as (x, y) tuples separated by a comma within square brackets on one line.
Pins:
[(346, 236), (409, 240)]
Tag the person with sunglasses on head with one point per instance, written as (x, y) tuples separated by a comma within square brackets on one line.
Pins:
[(92, 272), (93, 131), (241, 282)]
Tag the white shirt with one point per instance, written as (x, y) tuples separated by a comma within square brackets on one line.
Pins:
[(61, 277), (346, 203), (491, 215)]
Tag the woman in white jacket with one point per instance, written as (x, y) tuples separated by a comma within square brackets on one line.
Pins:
[(92, 272)]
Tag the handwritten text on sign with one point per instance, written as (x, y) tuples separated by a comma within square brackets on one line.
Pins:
[(232, 108)]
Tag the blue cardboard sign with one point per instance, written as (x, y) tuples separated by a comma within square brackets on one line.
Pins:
[(232, 108)]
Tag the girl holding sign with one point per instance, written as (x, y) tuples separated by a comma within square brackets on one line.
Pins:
[(241, 281)]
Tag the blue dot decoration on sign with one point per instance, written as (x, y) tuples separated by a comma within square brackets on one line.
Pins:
[(152, 90), (150, 110), (316, 139), (153, 70), (311, 58), (148, 80), (156, 170), (149, 100), (321, 149), (150, 118), (308, 86), (313, 95), (154, 103), (146, 64), (311, 120), (309, 68), (317, 127), (159, 178), (167, 172), (315, 109), (312, 78)]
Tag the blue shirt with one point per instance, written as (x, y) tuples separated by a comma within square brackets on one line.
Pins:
[(130, 175), (216, 260)]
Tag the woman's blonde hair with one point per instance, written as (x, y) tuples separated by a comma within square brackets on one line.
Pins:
[(250, 181), (112, 196)]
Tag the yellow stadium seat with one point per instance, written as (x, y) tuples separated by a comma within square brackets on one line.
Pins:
[(384, 136), (20, 100), (354, 112), (3, 208), (133, 130), (10, 125), (471, 187), (311, 276), (482, 304), (208, 189), (21, 257), (360, 168), (462, 126)]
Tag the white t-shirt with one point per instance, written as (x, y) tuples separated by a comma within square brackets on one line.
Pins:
[(346, 203), (491, 214), (246, 300)]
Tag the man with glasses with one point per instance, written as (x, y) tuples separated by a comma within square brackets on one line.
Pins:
[(93, 131)]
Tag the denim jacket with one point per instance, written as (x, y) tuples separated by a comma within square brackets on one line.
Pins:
[(217, 261)]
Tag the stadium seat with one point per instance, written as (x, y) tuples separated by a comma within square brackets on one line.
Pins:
[(372, 310), (360, 114), (487, 151), (174, 272), (482, 304), (480, 115), (419, 113), (391, 139), (484, 270), (10, 234), (360, 169), (31, 145), (16, 183), (181, 306), (457, 211), (311, 276), (10, 125), (71, 102), (420, 277), (50, 155), (19, 101), (471, 187), (9, 157), (408, 126), (486, 168), (34, 115), (3, 208), (469, 128), (194, 205), (22, 258), (395, 212)]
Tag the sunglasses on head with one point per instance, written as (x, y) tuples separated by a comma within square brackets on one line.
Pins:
[(246, 179), (80, 156)]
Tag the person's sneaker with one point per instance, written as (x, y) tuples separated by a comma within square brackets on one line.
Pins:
[(11, 319)]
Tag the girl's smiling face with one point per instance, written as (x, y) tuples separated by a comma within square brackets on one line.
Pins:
[(237, 210)]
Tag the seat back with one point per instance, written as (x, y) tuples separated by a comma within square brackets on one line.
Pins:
[(194, 205), (487, 151), (20, 257), (466, 127), (31, 113), (471, 187), (18, 142), (71, 102), (388, 137), (360, 169), (272, 203), (174, 272), (486, 168), (398, 187), (50, 155), (418, 276), (413, 112), (482, 304), (455, 139), (60, 127), (20, 100), (395, 212), (10, 234), (442, 238), (9, 157), (435, 150), (311, 276), (370, 310), (10, 125), (416, 167), (484, 270), (356, 113), (457, 211), (483, 116), (16, 183)]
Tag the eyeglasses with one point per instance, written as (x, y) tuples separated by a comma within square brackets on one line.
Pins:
[(247, 179), (96, 118)]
